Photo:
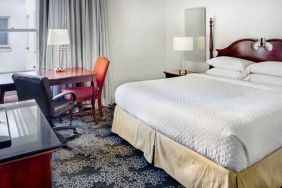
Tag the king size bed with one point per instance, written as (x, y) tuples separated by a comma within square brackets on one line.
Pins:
[(206, 130)]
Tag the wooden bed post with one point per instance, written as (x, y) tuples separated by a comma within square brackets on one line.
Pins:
[(211, 38)]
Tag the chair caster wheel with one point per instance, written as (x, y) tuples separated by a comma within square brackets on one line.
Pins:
[(75, 131)]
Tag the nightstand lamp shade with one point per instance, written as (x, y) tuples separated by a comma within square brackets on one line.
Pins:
[(58, 37), (183, 44)]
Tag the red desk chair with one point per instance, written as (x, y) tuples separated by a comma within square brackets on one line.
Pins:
[(93, 92)]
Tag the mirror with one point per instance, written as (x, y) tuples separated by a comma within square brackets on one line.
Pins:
[(195, 26)]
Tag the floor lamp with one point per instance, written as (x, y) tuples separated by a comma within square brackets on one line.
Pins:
[(58, 38), (183, 44)]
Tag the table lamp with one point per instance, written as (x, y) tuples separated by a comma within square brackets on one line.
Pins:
[(183, 44), (58, 37)]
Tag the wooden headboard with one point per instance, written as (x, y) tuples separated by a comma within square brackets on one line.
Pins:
[(244, 49)]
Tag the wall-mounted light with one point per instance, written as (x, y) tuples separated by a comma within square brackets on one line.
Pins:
[(262, 44)]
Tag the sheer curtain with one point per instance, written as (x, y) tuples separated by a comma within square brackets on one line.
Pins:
[(87, 23)]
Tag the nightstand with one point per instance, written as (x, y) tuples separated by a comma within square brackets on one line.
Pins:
[(174, 73)]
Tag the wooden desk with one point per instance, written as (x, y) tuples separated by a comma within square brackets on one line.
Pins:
[(70, 75)]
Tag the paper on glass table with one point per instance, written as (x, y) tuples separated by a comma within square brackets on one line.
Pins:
[(5, 138)]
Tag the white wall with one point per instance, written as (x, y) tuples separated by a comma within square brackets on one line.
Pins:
[(31, 53), (19, 58), (137, 39), (234, 20), (11, 60), (141, 31)]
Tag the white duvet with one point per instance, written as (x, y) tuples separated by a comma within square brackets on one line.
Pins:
[(235, 123)]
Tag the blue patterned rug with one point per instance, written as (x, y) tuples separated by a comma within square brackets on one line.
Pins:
[(100, 158)]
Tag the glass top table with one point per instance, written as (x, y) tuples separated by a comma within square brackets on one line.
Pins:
[(30, 131)]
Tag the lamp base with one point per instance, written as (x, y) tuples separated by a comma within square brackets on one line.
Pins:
[(59, 69), (183, 72)]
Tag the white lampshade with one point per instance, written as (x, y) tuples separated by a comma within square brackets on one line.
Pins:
[(201, 43), (183, 43), (58, 37)]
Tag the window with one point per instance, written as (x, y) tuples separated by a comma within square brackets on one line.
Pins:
[(4, 22), (18, 35)]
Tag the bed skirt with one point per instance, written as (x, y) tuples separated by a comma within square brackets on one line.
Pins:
[(190, 168)]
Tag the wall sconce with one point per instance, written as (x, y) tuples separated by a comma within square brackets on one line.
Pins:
[(262, 44)]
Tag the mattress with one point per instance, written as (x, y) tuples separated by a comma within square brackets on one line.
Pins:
[(234, 123)]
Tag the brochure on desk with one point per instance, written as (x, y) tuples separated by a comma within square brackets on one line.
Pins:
[(5, 137)]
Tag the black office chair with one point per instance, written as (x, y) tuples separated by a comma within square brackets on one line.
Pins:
[(38, 88)]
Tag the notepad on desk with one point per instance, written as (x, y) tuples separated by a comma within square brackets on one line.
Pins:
[(5, 138)]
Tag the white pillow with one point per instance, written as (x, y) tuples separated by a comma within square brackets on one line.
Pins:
[(273, 68), (230, 63), (225, 73), (265, 79)]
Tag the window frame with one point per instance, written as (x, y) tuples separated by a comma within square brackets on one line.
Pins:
[(5, 47), (18, 30), (27, 30)]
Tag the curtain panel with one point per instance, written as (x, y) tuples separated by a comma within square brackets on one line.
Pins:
[(87, 22)]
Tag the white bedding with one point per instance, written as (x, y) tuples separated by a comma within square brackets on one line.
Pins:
[(225, 73), (233, 122)]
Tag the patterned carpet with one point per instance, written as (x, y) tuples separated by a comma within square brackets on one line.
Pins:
[(100, 158)]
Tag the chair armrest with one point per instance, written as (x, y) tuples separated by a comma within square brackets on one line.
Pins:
[(63, 95)]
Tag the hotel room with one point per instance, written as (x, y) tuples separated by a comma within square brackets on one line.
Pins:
[(140, 93)]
